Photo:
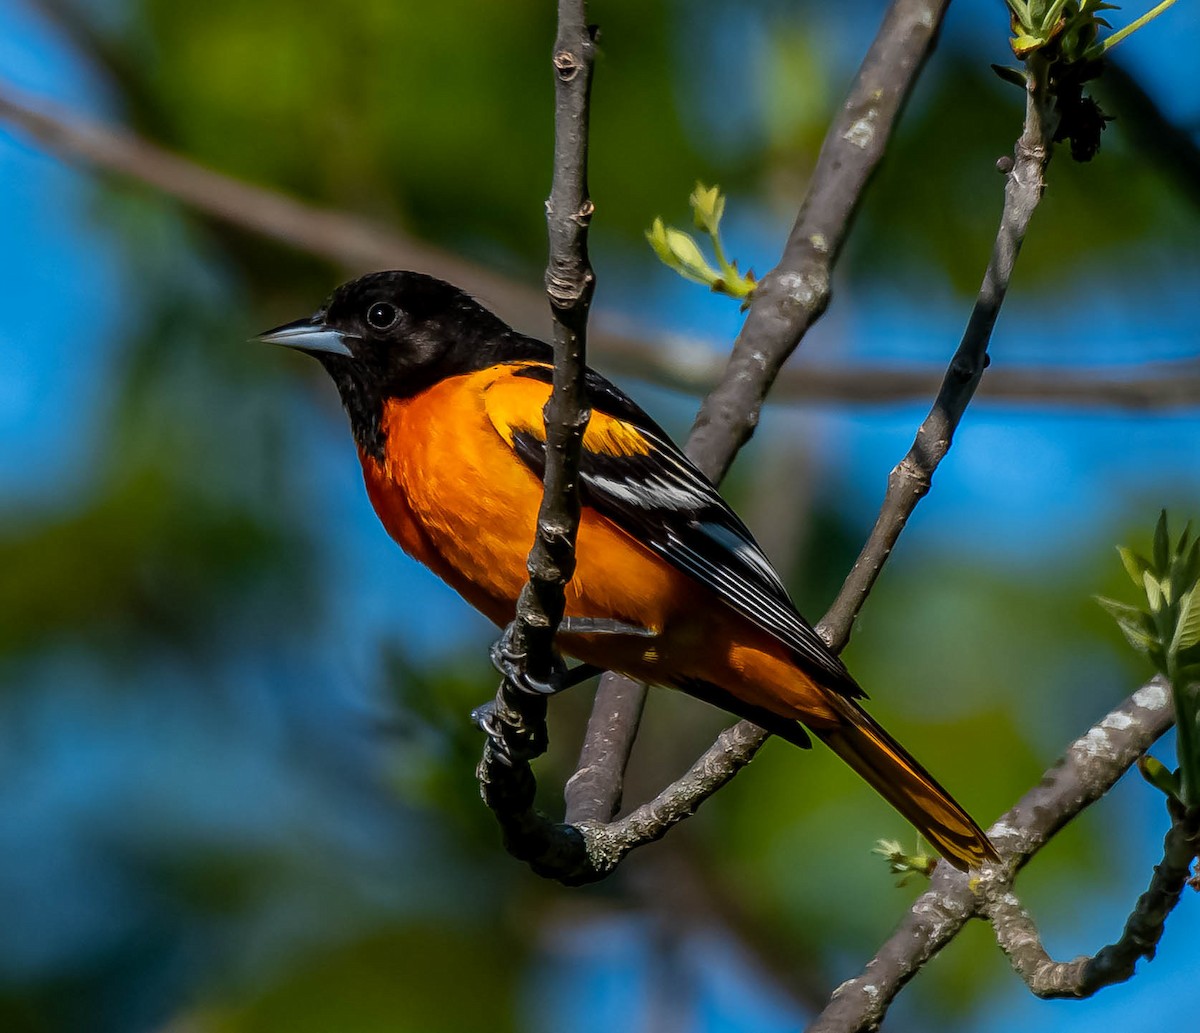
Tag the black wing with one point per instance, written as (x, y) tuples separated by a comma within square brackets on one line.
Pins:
[(661, 498)]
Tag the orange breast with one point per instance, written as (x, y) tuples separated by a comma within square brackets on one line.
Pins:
[(453, 493)]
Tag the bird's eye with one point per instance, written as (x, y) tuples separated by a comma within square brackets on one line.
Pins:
[(381, 315)]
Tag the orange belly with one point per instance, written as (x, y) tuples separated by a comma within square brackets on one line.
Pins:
[(458, 499)]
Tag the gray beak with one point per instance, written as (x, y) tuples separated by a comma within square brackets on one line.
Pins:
[(308, 336)]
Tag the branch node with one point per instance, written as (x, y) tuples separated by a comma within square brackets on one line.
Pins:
[(583, 217), (567, 65)]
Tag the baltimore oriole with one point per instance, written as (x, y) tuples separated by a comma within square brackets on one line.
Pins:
[(445, 403)]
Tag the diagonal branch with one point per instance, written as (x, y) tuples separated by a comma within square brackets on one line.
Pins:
[(910, 481), (793, 295), (788, 300)]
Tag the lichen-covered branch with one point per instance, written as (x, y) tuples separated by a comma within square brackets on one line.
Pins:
[(1018, 936)]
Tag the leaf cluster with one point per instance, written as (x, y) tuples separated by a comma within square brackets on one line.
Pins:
[(1066, 35), (1167, 630), (902, 863), (679, 251)]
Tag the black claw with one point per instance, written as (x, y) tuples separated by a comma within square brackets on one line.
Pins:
[(484, 718), (510, 664)]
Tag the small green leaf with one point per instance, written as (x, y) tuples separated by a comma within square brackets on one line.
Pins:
[(1154, 594), (1137, 629), (1184, 540), (900, 863), (680, 251), (657, 236), (1011, 75), (1020, 10), (1137, 636), (1135, 564), (687, 252), (1187, 630), (1123, 610), (1159, 775), (1162, 544), (708, 207), (1051, 17), (1024, 44), (1136, 625), (1191, 565), (1101, 49), (1187, 625)]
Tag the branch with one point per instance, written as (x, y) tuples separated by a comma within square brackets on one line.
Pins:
[(911, 479), (793, 295), (685, 364), (341, 238), (1018, 936), (516, 724), (788, 300), (1085, 773), (692, 366)]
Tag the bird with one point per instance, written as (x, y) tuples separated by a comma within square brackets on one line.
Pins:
[(670, 587)]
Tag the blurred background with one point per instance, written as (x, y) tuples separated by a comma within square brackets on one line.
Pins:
[(236, 770)]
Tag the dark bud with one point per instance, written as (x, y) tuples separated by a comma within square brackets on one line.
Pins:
[(1082, 123), (1010, 75)]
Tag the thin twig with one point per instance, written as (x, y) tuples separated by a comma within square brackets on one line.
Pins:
[(911, 479), (1085, 773), (788, 300), (518, 717), (684, 364)]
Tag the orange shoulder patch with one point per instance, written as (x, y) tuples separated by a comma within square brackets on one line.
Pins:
[(606, 435), (514, 405)]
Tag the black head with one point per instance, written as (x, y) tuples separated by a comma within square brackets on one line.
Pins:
[(394, 334)]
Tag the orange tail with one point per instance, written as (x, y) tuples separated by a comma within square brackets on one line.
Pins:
[(893, 773)]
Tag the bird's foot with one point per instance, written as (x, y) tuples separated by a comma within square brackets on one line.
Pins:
[(511, 663), (486, 720)]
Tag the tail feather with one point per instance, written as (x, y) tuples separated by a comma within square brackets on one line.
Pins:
[(896, 775)]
